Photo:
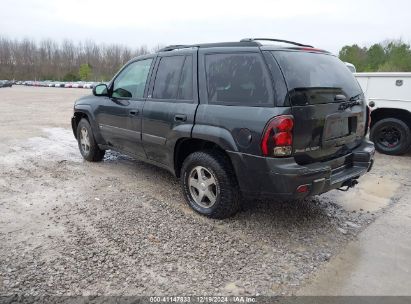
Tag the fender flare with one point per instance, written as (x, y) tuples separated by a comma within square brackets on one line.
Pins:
[(87, 110), (220, 136)]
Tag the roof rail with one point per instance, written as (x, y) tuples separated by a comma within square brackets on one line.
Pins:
[(206, 45), (175, 47), (275, 40)]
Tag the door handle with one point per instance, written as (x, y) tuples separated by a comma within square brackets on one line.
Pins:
[(180, 117), (133, 112)]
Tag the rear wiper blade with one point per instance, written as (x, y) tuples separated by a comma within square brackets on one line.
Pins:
[(349, 104), (355, 97)]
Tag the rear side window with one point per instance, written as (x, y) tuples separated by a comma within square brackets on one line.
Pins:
[(174, 79), (238, 79), (307, 73)]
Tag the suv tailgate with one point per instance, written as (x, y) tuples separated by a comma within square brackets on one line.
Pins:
[(327, 105)]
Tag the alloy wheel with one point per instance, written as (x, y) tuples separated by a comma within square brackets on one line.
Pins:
[(85, 140), (203, 186)]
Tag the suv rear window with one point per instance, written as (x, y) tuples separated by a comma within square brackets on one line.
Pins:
[(238, 79), (305, 71)]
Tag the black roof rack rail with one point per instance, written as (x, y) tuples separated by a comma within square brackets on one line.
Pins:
[(207, 45), (275, 40), (175, 47)]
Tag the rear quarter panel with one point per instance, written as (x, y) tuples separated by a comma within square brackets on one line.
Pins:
[(234, 128)]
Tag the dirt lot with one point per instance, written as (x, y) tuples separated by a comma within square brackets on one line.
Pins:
[(121, 227)]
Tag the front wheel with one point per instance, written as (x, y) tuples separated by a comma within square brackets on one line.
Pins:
[(209, 184), (86, 143), (391, 136)]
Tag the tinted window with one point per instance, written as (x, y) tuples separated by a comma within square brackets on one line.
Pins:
[(237, 79), (314, 71), (167, 78), (130, 83), (280, 88), (185, 88)]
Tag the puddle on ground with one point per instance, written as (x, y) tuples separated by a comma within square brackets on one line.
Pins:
[(371, 194)]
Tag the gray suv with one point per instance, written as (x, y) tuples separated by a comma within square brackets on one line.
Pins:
[(259, 118)]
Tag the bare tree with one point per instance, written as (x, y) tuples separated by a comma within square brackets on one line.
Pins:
[(29, 60)]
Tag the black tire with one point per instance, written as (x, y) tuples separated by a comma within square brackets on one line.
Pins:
[(93, 153), (391, 136), (227, 198)]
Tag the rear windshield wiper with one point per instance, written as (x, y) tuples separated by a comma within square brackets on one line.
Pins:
[(349, 104), (355, 97)]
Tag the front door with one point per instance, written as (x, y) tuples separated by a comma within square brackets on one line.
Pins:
[(119, 117)]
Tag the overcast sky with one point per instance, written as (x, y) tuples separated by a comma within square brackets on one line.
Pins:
[(325, 24)]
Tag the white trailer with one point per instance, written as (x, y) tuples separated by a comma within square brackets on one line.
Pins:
[(389, 98)]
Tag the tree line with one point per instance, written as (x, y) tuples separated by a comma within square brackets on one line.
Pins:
[(66, 61), (386, 56)]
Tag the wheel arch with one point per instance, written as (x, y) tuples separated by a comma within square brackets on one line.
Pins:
[(85, 111), (77, 116), (186, 146), (382, 113)]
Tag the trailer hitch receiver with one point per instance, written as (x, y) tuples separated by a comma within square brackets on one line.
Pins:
[(348, 184)]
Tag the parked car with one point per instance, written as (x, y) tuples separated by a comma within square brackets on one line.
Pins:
[(234, 120), (88, 85), (68, 85), (5, 83), (389, 97)]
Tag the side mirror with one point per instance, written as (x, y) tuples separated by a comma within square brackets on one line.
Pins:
[(100, 90)]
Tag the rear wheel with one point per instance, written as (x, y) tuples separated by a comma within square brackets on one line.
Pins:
[(391, 136), (86, 143), (209, 184)]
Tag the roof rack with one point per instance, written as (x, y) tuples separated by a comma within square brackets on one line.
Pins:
[(242, 43), (174, 47), (275, 40), (206, 45)]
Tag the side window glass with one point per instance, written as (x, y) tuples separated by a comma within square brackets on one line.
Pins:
[(238, 79), (130, 83), (166, 84), (185, 88)]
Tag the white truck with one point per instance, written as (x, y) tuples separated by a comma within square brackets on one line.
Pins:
[(389, 98)]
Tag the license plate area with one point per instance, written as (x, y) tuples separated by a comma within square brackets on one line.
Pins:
[(339, 130), (337, 127)]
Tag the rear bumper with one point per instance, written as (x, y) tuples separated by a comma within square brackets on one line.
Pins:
[(262, 177)]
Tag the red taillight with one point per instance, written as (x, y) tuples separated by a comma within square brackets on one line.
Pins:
[(283, 139), (278, 139), (303, 188)]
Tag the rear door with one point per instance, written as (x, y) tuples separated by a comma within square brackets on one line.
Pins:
[(327, 104), (169, 110)]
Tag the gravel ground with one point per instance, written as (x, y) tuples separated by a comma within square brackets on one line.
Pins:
[(121, 227)]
